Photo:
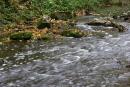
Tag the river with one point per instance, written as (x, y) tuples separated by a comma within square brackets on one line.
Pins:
[(71, 62)]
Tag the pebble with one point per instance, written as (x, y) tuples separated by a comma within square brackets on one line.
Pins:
[(1, 43), (127, 66), (11, 84), (1, 69)]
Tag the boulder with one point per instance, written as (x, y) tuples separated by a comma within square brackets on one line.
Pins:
[(99, 22), (120, 27), (107, 22)]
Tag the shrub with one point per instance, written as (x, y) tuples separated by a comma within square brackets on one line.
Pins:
[(16, 10)]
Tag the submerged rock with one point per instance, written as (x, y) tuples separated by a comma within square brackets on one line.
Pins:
[(21, 36), (99, 34)]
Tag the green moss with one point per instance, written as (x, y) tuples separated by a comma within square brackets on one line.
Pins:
[(72, 33), (21, 36), (47, 37)]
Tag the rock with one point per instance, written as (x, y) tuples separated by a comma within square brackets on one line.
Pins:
[(1, 43), (82, 12), (72, 33), (99, 34), (124, 17), (127, 66), (61, 15), (21, 36), (118, 26), (43, 24), (128, 13), (56, 31), (99, 22), (47, 37), (107, 22)]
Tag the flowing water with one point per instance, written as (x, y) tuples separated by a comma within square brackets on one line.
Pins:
[(72, 62)]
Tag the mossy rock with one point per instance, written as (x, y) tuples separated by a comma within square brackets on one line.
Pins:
[(46, 37), (61, 15), (43, 24), (21, 36), (72, 33)]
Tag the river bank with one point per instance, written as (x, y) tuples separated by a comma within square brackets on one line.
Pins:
[(58, 25)]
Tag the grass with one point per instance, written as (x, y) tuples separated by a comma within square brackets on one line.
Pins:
[(113, 10)]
